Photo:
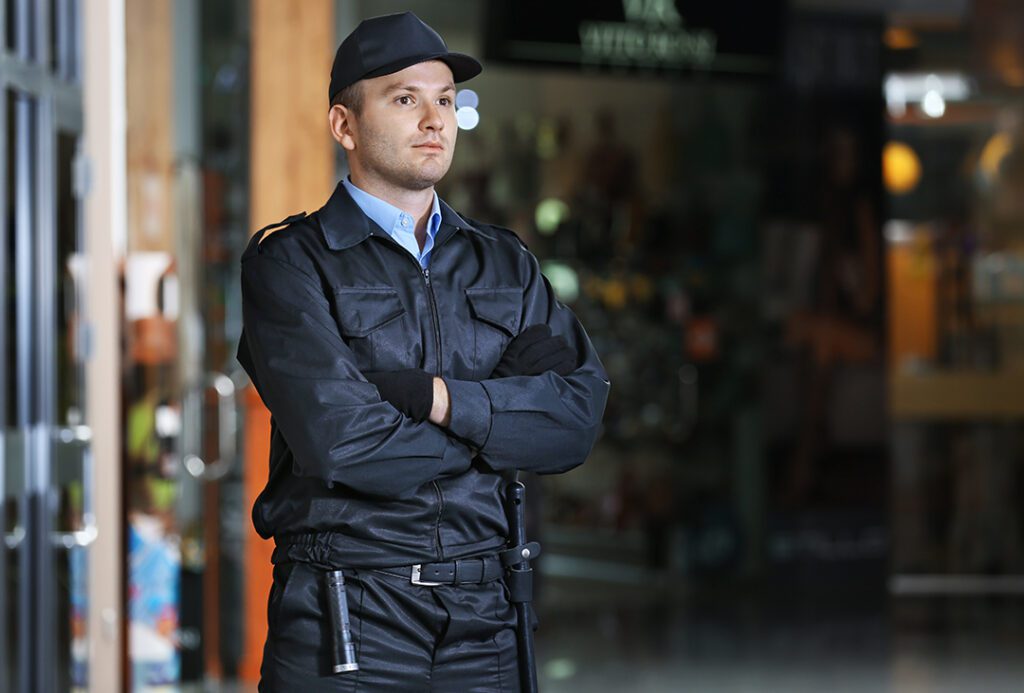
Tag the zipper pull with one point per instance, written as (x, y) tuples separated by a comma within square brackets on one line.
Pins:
[(426, 276)]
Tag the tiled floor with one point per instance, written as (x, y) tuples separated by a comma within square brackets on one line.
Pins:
[(742, 643), (642, 640)]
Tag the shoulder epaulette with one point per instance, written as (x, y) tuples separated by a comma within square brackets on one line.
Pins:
[(262, 233), (510, 231), (495, 227)]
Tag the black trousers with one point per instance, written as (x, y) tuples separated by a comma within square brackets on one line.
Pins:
[(444, 639)]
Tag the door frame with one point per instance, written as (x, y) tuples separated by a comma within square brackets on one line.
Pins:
[(105, 225), (40, 90)]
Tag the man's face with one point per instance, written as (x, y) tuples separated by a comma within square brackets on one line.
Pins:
[(404, 134)]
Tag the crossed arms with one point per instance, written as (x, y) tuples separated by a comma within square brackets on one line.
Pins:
[(342, 428)]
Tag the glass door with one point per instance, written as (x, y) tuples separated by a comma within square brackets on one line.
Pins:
[(187, 194), (212, 185), (45, 459)]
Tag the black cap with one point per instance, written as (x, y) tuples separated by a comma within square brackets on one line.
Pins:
[(393, 42)]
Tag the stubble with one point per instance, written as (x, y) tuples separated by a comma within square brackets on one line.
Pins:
[(394, 161)]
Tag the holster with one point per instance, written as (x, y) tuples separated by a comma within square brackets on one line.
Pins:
[(519, 579)]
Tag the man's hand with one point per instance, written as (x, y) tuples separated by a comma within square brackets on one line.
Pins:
[(441, 412), (422, 397), (534, 351), (410, 391)]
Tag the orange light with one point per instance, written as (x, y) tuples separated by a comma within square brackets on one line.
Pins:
[(992, 155), (901, 169), (897, 38)]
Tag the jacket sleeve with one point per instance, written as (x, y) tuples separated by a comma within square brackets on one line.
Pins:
[(334, 421), (544, 423)]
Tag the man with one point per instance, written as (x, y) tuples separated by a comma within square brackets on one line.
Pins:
[(410, 358)]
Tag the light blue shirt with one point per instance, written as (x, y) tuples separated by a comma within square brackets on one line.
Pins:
[(399, 225)]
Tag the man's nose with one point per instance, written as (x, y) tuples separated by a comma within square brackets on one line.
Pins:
[(432, 119)]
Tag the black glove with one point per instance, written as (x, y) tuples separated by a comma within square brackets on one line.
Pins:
[(534, 351), (410, 391)]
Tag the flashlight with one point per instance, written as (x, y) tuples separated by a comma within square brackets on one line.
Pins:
[(343, 650)]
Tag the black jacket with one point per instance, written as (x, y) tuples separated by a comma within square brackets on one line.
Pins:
[(331, 296)]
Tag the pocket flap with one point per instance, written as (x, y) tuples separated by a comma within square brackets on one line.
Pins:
[(363, 309), (500, 306)]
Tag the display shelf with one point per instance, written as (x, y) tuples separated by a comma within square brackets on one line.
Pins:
[(956, 395)]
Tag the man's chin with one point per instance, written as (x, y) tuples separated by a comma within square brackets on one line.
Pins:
[(426, 177)]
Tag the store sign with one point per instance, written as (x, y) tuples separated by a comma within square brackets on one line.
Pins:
[(653, 34), (637, 35)]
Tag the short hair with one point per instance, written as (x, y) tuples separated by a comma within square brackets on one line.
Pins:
[(350, 97)]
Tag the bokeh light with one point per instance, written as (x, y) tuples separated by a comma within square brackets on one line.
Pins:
[(901, 168), (467, 98), (933, 104), (549, 214), (467, 117), (564, 280)]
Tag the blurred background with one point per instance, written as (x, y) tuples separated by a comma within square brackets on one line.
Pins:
[(794, 231)]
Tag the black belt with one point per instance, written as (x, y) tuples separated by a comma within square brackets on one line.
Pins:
[(465, 570), (317, 550)]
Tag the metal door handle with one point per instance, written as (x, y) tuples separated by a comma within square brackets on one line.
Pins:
[(81, 435), (13, 539), (78, 537), (227, 420), (75, 434)]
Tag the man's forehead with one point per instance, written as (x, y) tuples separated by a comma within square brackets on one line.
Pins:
[(430, 75)]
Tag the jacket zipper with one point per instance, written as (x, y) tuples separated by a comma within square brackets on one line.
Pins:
[(425, 273), (437, 523), (433, 317), (437, 347)]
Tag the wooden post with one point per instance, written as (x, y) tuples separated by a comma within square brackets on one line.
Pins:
[(292, 162), (292, 170)]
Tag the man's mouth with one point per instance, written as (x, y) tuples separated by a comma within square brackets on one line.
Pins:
[(429, 145)]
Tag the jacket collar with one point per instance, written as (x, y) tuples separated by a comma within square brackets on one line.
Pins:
[(344, 224)]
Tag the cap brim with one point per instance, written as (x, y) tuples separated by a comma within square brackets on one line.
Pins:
[(463, 67)]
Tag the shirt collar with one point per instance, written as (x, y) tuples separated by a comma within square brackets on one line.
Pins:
[(344, 223), (387, 216)]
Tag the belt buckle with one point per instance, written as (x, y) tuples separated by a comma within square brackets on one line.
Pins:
[(416, 572)]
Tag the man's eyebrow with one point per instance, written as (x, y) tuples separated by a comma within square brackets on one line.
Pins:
[(398, 86)]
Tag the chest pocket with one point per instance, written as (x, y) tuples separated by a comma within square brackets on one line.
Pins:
[(496, 314), (369, 318)]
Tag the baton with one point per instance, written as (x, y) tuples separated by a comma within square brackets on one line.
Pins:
[(521, 584)]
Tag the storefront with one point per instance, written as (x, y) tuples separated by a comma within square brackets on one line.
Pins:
[(956, 285), (791, 230)]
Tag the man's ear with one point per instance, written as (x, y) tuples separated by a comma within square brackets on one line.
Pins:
[(342, 121)]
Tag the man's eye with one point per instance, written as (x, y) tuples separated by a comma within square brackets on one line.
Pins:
[(404, 100), (445, 101)]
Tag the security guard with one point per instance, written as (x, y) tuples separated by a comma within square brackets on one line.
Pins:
[(409, 357)]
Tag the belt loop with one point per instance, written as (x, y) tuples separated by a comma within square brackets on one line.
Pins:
[(483, 570), (455, 571)]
